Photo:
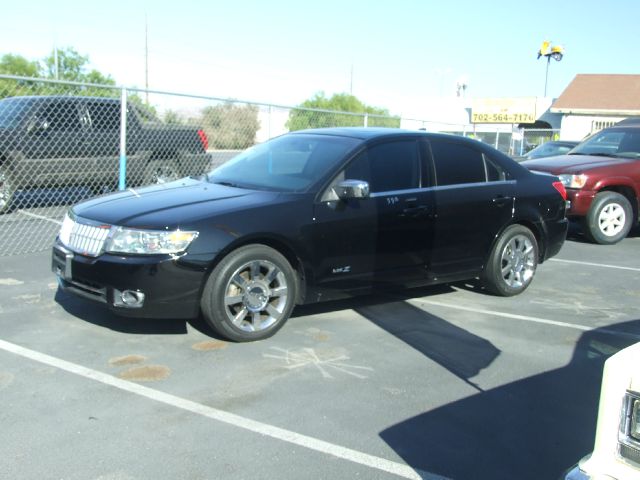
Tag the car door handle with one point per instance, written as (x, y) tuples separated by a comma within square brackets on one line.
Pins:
[(417, 211), (501, 200)]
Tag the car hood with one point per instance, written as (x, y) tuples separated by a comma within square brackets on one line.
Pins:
[(571, 163), (171, 205)]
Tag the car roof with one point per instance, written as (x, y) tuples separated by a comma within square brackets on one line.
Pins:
[(369, 133), (363, 133), (53, 98)]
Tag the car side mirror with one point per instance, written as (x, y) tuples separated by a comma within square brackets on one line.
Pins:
[(347, 189)]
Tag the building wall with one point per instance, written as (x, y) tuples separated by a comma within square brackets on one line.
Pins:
[(577, 127)]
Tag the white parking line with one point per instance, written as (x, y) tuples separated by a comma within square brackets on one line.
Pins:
[(589, 264), (527, 318), (39, 217), (300, 440)]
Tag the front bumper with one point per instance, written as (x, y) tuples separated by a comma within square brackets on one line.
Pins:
[(170, 286), (581, 201)]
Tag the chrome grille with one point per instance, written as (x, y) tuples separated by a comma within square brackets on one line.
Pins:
[(82, 238)]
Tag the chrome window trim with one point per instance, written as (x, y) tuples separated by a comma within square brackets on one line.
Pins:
[(441, 187)]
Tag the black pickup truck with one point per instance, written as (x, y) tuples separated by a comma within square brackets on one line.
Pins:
[(52, 141)]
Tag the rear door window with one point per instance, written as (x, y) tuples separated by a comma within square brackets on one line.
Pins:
[(61, 116), (458, 164), (104, 116)]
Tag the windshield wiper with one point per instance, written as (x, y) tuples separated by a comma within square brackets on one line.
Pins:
[(227, 184)]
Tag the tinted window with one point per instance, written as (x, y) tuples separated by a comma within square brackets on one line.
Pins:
[(456, 163), (104, 116), (495, 173), (287, 163), (623, 143), (13, 111), (61, 116), (387, 167)]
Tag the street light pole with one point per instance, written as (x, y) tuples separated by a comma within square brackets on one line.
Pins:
[(546, 77), (546, 50)]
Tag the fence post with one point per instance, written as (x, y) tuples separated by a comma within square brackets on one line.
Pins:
[(366, 119), (497, 138), (122, 181)]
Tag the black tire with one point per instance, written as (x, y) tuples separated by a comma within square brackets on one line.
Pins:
[(160, 171), (250, 294), (7, 191), (512, 263), (609, 219)]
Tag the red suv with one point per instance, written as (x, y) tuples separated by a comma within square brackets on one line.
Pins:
[(602, 178)]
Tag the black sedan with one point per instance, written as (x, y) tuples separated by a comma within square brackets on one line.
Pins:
[(311, 216)]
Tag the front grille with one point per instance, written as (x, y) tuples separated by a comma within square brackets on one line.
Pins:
[(83, 238)]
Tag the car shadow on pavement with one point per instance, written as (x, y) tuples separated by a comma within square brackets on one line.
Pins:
[(456, 349), (533, 428), (86, 310)]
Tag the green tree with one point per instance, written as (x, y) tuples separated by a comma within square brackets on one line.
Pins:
[(147, 112), (67, 64), (301, 118), (71, 66), (11, 64), (231, 126), (171, 117)]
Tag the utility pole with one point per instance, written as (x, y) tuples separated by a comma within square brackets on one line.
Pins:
[(351, 81), (55, 62), (146, 59)]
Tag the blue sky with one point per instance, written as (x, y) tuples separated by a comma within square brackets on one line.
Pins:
[(402, 52)]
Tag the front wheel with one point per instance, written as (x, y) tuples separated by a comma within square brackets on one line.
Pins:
[(609, 219), (160, 171), (512, 263), (249, 294)]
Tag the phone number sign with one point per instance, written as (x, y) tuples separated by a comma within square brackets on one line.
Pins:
[(504, 110)]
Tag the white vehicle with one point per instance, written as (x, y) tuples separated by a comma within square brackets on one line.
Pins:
[(616, 453)]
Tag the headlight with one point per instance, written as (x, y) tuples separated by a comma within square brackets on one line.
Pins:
[(127, 240), (634, 429), (65, 230), (573, 181)]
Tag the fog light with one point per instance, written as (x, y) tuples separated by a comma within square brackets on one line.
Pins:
[(128, 298)]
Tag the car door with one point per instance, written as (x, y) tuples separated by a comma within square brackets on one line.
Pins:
[(474, 199), (103, 142), (381, 238), (57, 153)]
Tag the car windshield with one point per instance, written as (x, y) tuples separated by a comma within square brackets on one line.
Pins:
[(12, 111), (288, 163), (611, 143), (548, 149)]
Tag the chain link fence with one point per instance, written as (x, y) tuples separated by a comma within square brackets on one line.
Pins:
[(63, 142)]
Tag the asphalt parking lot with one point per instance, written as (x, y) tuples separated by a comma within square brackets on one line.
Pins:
[(441, 382)]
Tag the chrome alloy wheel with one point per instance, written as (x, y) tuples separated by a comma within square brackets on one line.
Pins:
[(5, 191), (518, 263), (256, 296), (612, 219)]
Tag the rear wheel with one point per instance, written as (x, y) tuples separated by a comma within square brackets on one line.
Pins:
[(6, 191), (513, 262), (249, 294), (609, 219)]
